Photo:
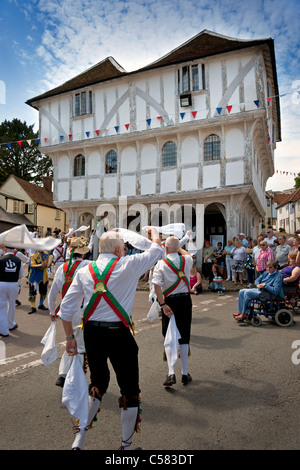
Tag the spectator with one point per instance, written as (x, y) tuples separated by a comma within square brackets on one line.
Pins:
[(243, 239), (216, 280), (282, 252), (265, 255), (195, 281), (219, 258), (295, 246), (249, 263), (208, 257), (270, 238), (238, 260), (227, 252)]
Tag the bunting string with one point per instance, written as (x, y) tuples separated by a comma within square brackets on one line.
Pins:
[(221, 111)]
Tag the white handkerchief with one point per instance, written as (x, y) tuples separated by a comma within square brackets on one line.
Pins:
[(49, 353), (171, 339), (75, 394)]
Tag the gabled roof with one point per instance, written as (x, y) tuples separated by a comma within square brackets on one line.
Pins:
[(37, 193), (204, 44), (293, 197), (107, 69)]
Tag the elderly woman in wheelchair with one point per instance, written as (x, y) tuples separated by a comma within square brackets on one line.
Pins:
[(265, 299)]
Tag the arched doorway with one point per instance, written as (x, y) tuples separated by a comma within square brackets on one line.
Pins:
[(215, 228)]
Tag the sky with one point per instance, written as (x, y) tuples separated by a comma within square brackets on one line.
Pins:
[(44, 43)]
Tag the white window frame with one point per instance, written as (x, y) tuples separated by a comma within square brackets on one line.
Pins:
[(82, 103), (186, 82)]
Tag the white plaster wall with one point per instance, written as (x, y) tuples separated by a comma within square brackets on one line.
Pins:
[(148, 183), (128, 185), (128, 160), (169, 93), (77, 189), (234, 173), (168, 181), (93, 163), (234, 143), (211, 176), (189, 179), (215, 83), (189, 150), (148, 157), (63, 167), (110, 187), (94, 188), (65, 113)]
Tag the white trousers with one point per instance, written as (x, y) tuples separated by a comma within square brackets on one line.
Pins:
[(8, 295)]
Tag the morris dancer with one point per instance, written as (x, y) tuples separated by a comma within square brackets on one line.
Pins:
[(38, 275), (78, 247), (171, 283), (58, 256), (108, 325)]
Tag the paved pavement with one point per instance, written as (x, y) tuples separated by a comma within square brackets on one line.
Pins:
[(244, 394)]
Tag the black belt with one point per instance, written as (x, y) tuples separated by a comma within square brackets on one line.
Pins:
[(105, 324), (183, 294)]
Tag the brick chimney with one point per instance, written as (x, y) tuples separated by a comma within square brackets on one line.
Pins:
[(47, 181)]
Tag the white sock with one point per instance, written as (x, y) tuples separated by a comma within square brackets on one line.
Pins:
[(128, 420), (184, 354), (94, 404), (169, 360)]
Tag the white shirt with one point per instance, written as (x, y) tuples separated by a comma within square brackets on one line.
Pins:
[(58, 282), (58, 254), (122, 284), (164, 277), (270, 241)]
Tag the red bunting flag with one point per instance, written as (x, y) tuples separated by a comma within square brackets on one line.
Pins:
[(97, 131), (127, 126), (270, 99), (194, 113), (45, 139), (19, 142), (70, 136), (229, 108), (159, 117)]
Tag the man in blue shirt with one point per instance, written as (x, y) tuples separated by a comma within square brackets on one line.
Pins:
[(270, 281)]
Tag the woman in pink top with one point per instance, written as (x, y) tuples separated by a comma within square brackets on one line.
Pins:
[(195, 281), (265, 255)]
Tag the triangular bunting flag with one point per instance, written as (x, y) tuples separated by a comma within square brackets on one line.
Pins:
[(116, 128), (87, 133), (8, 145), (61, 138), (159, 117), (194, 113), (97, 131), (182, 115), (38, 141), (256, 102), (219, 110), (29, 142), (229, 108), (19, 143), (70, 136), (148, 121), (45, 139), (127, 126), (270, 99)]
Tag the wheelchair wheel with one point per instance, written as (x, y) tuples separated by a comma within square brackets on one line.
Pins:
[(284, 317), (256, 320)]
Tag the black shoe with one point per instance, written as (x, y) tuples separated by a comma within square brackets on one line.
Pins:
[(60, 381), (42, 307), (170, 380), (13, 328), (185, 379), (33, 310), (18, 303), (3, 336)]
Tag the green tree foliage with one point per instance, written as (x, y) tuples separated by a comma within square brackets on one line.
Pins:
[(297, 181), (22, 160)]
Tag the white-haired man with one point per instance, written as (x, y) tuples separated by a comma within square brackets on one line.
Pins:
[(171, 282), (108, 287)]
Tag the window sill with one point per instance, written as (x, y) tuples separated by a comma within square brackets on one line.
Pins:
[(82, 116)]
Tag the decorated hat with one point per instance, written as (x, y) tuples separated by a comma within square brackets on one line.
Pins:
[(79, 245)]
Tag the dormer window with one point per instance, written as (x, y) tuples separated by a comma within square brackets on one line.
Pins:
[(83, 103), (191, 78)]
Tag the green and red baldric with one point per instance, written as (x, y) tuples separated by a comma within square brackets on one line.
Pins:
[(179, 272), (101, 290), (69, 273)]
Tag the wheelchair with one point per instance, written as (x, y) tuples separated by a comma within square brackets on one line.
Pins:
[(272, 308), (292, 296)]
